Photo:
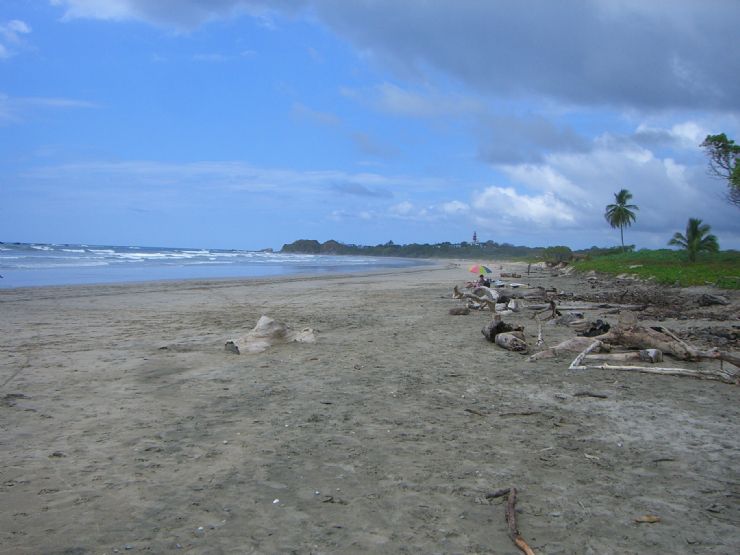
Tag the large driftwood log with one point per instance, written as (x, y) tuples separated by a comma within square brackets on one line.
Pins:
[(640, 337), (658, 337), (496, 326), (720, 374), (266, 333), (505, 335)]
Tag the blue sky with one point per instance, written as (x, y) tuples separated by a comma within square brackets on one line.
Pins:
[(249, 124)]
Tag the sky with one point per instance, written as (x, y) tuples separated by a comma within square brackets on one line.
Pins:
[(248, 124)]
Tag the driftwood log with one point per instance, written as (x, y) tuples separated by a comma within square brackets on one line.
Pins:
[(721, 374), (658, 337), (641, 337), (512, 341), (505, 335), (574, 344), (496, 326), (481, 298), (589, 306), (643, 355)]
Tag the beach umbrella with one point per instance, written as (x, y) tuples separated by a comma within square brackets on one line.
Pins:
[(479, 269)]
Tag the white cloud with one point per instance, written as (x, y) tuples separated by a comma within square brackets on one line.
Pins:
[(402, 209), (455, 208), (506, 205), (10, 34), (181, 14), (16, 109)]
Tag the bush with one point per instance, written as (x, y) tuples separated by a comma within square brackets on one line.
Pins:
[(557, 254)]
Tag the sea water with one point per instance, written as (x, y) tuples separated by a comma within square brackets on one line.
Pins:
[(35, 264)]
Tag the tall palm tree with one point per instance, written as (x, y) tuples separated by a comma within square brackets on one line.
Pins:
[(697, 239), (620, 214)]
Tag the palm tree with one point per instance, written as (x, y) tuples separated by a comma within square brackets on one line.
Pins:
[(620, 213), (697, 239)]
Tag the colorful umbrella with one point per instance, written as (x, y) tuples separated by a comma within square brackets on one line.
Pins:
[(479, 269)]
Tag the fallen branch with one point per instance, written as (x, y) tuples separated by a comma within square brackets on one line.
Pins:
[(477, 302), (511, 521), (590, 394), (540, 341), (577, 361), (720, 375), (574, 344)]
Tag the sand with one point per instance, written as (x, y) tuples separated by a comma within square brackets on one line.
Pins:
[(126, 427)]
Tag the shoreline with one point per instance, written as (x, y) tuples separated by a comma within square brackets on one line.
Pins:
[(200, 283), (127, 426)]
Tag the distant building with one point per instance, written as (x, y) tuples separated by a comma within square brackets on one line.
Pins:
[(475, 237)]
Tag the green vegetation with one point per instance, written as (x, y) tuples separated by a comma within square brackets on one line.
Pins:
[(697, 239), (485, 251), (723, 156), (664, 266), (667, 266), (557, 254), (621, 214)]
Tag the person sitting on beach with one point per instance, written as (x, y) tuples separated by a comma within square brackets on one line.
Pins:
[(483, 281)]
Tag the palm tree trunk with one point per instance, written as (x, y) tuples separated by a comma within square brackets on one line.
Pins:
[(621, 233)]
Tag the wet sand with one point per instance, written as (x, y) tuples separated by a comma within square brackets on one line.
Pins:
[(126, 427)]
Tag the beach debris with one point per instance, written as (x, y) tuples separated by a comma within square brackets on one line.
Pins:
[(647, 519), (574, 344), (643, 355), (505, 335), (599, 327), (590, 394), (708, 299), (636, 336), (479, 299), (512, 341), (266, 333), (511, 517), (460, 311), (721, 374), (511, 521)]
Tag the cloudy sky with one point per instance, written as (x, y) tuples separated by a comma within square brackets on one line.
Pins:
[(249, 124)]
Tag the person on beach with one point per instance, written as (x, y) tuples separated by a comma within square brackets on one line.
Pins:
[(483, 281)]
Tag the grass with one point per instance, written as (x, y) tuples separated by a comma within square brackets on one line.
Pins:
[(671, 267)]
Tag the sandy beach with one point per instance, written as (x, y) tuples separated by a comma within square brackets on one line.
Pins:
[(126, 427)]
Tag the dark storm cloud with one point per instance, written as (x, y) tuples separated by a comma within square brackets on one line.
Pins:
[(628, 53), (513, 140)]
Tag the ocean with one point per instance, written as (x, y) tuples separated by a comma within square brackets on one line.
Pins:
[(35, 264)]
